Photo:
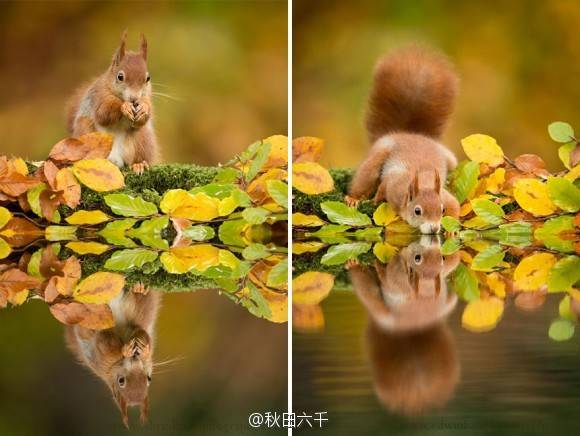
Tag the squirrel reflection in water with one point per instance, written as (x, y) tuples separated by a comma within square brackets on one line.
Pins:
[(413, 356), (122, 356)]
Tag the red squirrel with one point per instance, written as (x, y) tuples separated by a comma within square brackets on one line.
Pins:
[(119, 103), (412, 96), (122, 356)]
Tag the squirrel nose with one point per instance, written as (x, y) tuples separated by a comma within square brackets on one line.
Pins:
[(435, 228)]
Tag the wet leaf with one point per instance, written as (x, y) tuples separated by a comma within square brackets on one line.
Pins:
[(331, 234), (488, 259), (199, 233), (87, 247), (311, 287), (127, 205), (450, 246), (384, 251), (561, 330), (532, 271), (564, 274), (306, 247), (150, 232), (560, 131), (115, 232), (532, 196), (339, 254), (496, 284), (311, 178), (488, 210), (464, 179), (482, 315), (255, 251), (549, 234), (180, 260), (87, 217), (232, 232), (531, 300), (340, 213), (90, 316), (564, 194), (370, 234), (196, 207), (278, 190), (465, 284), (565, 310), (301, 220), (99, 175), (307, 318), (482, 149), (384, 215), (60, 233), (306, 149), (255, 215)]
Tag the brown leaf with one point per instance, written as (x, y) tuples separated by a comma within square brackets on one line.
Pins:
[(530, 301), (70, 187), (90, 316), (14, 184), (49, 171), (99, 145), (179, 224), (19, 232), (577, 220), (49, 202), (13, 280), (23, 261), (90, 146), (512, 176), (519, 215), (23, 202), (306, 149), (64, 277), (575, 156), (530, 163)]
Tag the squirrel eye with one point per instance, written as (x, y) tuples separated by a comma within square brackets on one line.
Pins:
[(418, 210), (121, 381), (148, 379), (120, 76), (443, 209), (418, 259), (148, 77)]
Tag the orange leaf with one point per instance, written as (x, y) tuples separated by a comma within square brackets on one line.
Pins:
[(306, 149)]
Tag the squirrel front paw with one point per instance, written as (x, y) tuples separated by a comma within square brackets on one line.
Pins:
[(351, 201), (141, 113), (140, 288), (127, 111), (139, 345), (140, 167)]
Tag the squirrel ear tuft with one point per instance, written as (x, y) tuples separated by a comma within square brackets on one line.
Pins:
[(414, 187), (437, 181), (144, 410), (143, 47), (120, 53)]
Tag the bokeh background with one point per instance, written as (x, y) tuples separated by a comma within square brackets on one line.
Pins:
[(518, 60), (223, 64)]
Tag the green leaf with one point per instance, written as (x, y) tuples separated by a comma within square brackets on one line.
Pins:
[(227, 284), (464, 178), (450, 246), (255, 215), (488, 258), (33, 197), (465, 284), (149, 232), (549, 234), (259, 160), (339, 254), (278, 190), (60, 233), (114, 232), (564, 194), (512, 234), (256, 304), (216, 190), (232, 232), (227, 175), (560, 131), (127, 259), (127, 205), (565, 310), (488, 210), (278, 275), (255, 252), (371, 234), (564, 274), (331, 234), (564, 153), (561, 330), (450, 224), (33, 267), (236, 199), (340, 213), (199, 233)]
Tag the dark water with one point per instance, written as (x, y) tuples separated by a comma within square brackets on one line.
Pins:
[(512, 380)]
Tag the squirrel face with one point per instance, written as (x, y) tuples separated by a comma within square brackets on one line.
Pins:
[(128, 76), (424, 206)]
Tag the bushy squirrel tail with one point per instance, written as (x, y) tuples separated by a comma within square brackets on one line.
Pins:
[(413, 91)]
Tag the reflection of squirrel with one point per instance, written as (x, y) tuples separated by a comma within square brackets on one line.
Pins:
[(119, 103), (412, 96), (410, 292), (413, 357), (122, 356)]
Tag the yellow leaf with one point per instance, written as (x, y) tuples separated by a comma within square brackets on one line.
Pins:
[(532, 196), (302, 220), (99, 288), (384, 215), (573, 174), (495, 181), (180, 260), (532, 271), (311, 178), (229, 259), (483, 149), (87, 247), (400, 226), (384, 251), (18, 298), (306, 247), (5, 216), (307, 318), (311, 287), (5, 249), (465, 209), (465, 257), (306, 149), (476, 222), (98, 174), (478, 244), (19, 166), (496, 284), (278, 304), (278, 156), (257, 189), (178, 203), (482, 315), (88, 217)]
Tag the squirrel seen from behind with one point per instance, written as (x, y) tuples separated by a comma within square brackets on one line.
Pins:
[(122, 356), (119, 103), (412, 97)]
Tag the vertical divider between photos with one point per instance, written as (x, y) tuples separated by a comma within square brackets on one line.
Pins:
[(289, 336)]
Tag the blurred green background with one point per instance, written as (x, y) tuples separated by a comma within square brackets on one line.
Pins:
[(224, 64), (518, 60)]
